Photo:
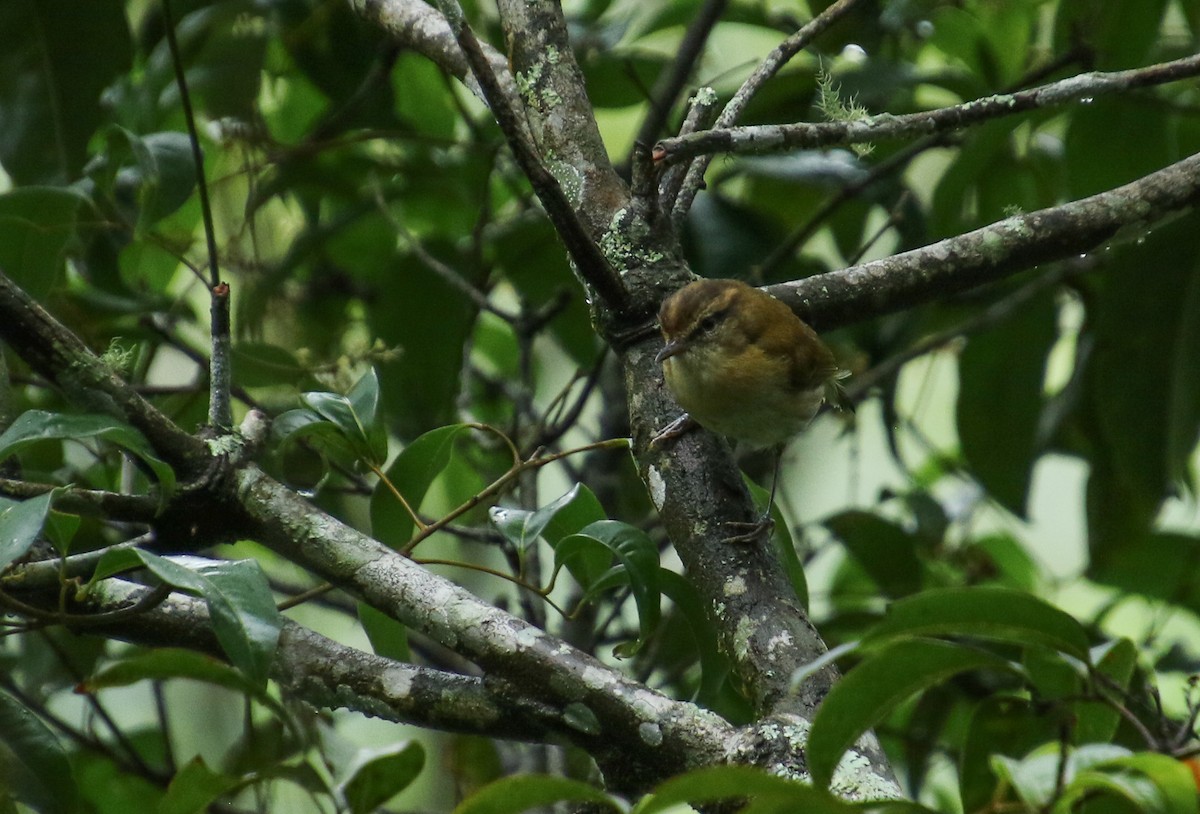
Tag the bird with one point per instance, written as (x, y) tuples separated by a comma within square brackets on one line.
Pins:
[(743, 365)]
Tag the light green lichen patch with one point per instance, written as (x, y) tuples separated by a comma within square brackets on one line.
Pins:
[(743, 633), (396, 682), (528, 637), (621, 242), (735, 586), (658, 487), (651, 734), (569, 178), (227, 444)]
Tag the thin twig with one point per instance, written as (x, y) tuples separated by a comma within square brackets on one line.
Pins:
[(671, 81), (733, 110), (589, 260), (778, 137)]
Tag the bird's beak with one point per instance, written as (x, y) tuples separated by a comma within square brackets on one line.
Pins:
[(672, 348)]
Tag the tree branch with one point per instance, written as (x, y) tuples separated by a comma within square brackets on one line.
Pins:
[(591, 263), (421, 27), (328, 674), (671, 81), (773, 138), (993, 252), (753, 84), (59, 355), (534, 665)]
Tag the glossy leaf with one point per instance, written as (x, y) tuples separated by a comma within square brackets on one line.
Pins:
[(355, 417), (875, 687), (513, 795), (40, 772), (997, 614), (412, 473), (239, 600), (1001, 373), (638, 559), (38, 425), (377, 775), (194, 788), (20, 525), (728, 782), (37, 227), (884, 550), (521, 527)]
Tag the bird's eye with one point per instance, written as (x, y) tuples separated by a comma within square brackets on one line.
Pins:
[(710, 322)]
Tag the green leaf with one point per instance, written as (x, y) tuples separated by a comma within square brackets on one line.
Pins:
[(1002, 726), (1001, 373), (40, 770), (525, 792), (870, 691), (20, 525), (354, 415), (194, 788), (58, 57), (165, 663), (412, 473), (1145, 387), (1172, 787), (1115, 661), (239, 600), (638, 559), (998, 614), (781, 540), (162, 176), (714, 666), (412, 308), (556, 521), (37, 228), (364, 398), (377, 775), (257, 364), (1035, 778), (38, 425), (1161, 565), (884, 550), (728, 782), (388, 637)]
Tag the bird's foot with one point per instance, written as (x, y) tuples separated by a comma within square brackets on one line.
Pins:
[(685, 423), (762, 526)]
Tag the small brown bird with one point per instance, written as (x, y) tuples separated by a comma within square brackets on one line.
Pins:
[(742, 365)]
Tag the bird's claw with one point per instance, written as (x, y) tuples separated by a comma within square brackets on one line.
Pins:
[(763, 525), (685, 423)]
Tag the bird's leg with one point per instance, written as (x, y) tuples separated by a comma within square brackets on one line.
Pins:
[(765, 524), (685, 423)]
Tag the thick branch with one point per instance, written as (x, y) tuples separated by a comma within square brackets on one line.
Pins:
[(993, 252), (768, 138), (647, 735), (327, 674)]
